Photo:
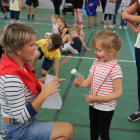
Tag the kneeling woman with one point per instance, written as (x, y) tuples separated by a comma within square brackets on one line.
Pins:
[(18, 87)]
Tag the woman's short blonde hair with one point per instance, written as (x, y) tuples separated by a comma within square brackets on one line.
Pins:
[(14, 37)]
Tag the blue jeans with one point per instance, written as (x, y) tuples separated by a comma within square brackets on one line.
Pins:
[(30, 130), (123, 22), (118, 3)]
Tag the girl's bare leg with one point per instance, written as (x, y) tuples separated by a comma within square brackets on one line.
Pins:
[(67, 38)]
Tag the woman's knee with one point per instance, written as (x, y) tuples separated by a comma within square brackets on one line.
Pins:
[(79, 11)]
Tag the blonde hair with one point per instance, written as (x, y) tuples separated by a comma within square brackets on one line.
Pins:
[(109, 40), (14, 37), (63, 21), (55, 16), (80, 31), (74, 29)]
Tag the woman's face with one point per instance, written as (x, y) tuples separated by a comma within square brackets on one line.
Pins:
[(27, 52)]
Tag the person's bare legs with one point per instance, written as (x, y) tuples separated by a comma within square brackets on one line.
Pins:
[(28, 10), (75, 14), (12, 20), (34, 11), (44, 72), (62, 131), (95, 20), (110, 22), (67, 38), (18, 21), (79, 13), (35, 58), (89, 20)]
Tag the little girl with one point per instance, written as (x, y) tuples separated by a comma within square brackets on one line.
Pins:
[(63, 27), (55, 25), (105, 79), (81, 35), (109, 10)]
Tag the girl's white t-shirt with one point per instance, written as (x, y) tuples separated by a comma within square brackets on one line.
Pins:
[(137, 44), (55, 27)]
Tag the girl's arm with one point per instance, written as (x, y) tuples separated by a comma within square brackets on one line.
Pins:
[(52, 30), (113, 96), (58, 31), (130, 18), (64, 32), (81, 83), (20, 6), (85, 46)]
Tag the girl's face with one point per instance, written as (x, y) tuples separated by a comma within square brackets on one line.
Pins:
[(74, 34), (102, 54), (59, 22), (54, 20)]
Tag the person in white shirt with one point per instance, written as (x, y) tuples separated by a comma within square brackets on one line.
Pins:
[(105, 79)]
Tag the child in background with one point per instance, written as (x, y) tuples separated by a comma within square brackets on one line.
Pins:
[(81, 35), (55, 26), (63, 27), (51, 49), (15, 10), (109, 10), (105, 79), (2, 9), (124, 6), (73, 45)]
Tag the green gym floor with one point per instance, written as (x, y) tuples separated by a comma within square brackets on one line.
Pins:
[(75, 108)]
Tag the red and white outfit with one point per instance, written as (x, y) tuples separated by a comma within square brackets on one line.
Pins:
[(103, 75)]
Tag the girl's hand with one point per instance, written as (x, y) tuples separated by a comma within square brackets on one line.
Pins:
[(78, 81), (124, 15), (61, 80), (50, 88), (138, 30), (89, 49), (92, 98)]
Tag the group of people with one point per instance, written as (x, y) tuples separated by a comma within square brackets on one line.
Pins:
[(18, 84)]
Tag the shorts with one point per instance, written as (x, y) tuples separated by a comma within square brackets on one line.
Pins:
[(31, 130), (77, 4), (46, 65), (103, 3), (29, 2), (14, 14)]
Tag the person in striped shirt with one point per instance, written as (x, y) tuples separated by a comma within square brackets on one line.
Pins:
[(105, 79), (18, 90)]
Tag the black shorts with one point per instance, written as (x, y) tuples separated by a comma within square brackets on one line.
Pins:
[(103, 3), (77, 4), (29, 2)]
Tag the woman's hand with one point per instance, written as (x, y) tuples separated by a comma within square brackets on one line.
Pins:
[(78, 81), (138, 30), (124, 15), (50, 88), (91, 98), (89, 49)]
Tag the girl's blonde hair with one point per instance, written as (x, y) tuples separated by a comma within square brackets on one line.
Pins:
[(55, 16), (80, 31), (109, 40), (14, 37), (63, 21)]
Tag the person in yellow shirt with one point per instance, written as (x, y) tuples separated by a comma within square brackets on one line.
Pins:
[(51, 49)]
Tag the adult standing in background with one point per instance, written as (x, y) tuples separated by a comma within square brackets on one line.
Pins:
[(29, 3), (117, 6), (2, 9), (77, 6), (103, 4), (57, 4)]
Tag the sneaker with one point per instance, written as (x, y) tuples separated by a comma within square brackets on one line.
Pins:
[(120, 27), (125, 27), (28, 17), (110, 26), (76, 23), (114, 25), (135, 116), (82, 25), (105, 26), (6, 17), (33, 18)]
